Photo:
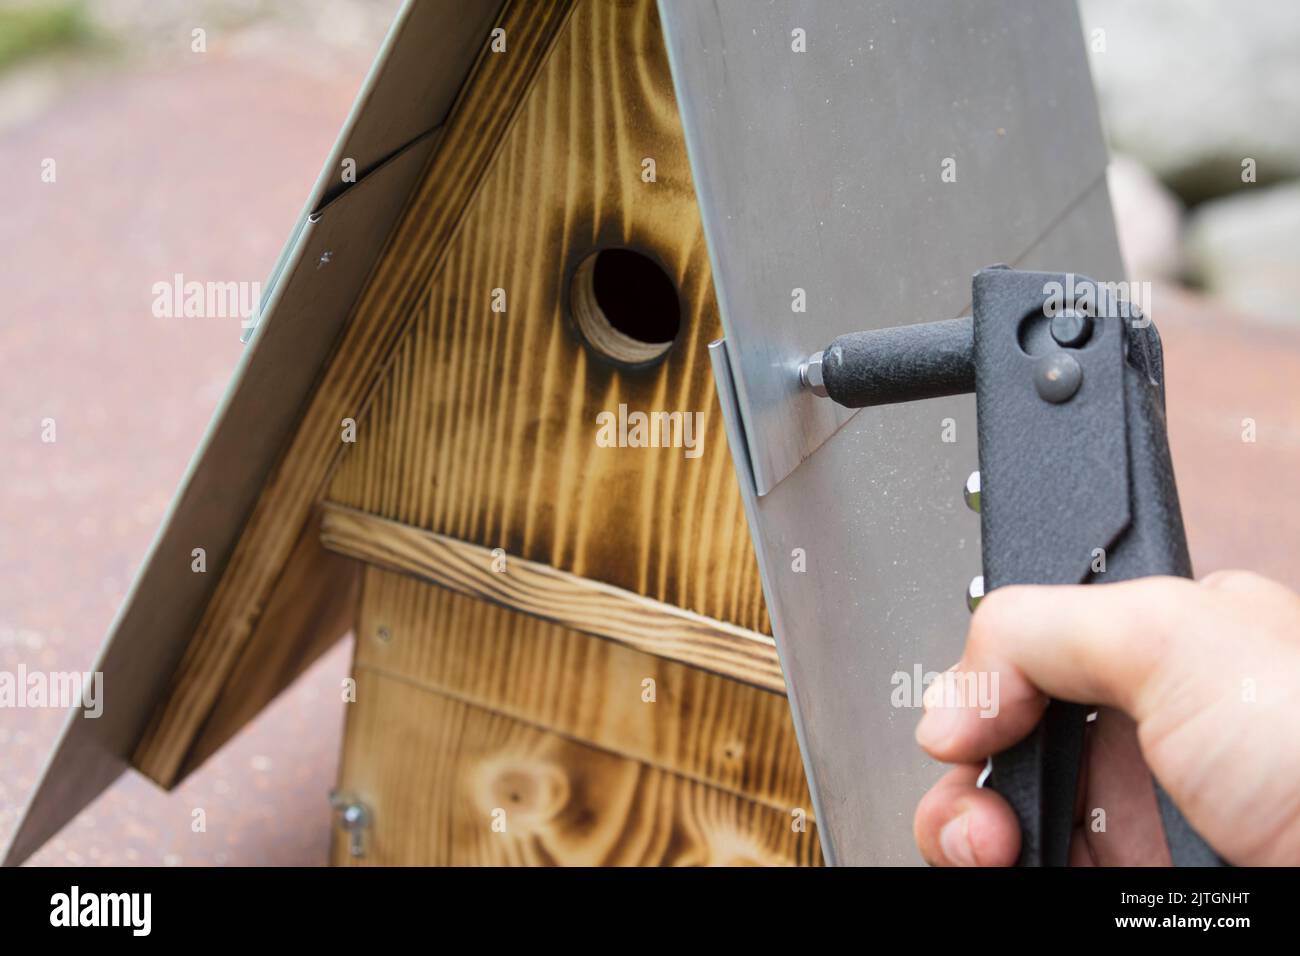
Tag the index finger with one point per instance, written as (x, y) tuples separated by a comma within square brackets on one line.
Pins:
[(1099, 644)]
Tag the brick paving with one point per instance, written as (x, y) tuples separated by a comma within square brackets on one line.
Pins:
[(199, 168)]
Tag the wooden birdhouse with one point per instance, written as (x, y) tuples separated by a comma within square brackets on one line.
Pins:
[(483, 424), (476, 426)]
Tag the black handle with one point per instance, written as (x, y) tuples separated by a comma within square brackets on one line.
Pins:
[(903, 364), (1039, 776)]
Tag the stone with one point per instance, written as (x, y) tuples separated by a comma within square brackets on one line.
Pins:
[(1148, 218), (1192, 88), (1245, 250)]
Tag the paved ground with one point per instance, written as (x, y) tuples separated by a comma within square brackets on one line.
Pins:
[(202, 168), (1239, 498), (199, 167)]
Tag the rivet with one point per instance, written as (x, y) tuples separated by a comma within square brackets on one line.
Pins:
[(972, 492), (810, 375), (1057, 377)]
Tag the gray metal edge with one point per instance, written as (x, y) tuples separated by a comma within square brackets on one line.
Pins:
[(760, 482), (731, 417)]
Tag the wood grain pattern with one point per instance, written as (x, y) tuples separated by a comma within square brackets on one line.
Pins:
[(485, 429), (433, 770), (485, 109), (558, 596), (729, 735)]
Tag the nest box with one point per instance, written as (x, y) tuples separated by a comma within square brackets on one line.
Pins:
[(476, 426)]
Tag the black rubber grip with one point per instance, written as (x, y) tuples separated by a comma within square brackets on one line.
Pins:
[(902, 364)]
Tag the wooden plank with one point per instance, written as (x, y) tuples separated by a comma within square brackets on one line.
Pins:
[(554, 595), (482, 114), (315, 602), (437, 773), (730, 735), (558, 596), (485, 430)]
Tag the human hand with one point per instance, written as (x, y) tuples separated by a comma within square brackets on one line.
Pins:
[(1202, 679)]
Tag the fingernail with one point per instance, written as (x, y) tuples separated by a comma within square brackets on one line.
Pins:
[(954, 841)]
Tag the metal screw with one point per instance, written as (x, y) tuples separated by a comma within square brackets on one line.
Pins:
[(354, 817), (1057, 377), (1071, 328), (974, 592), (972, 492), (810, 375), (384, 634)]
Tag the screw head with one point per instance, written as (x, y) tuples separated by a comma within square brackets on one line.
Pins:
[(384, 634), (355, 816), (1057, 376), (972, 492), (974, 592)]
